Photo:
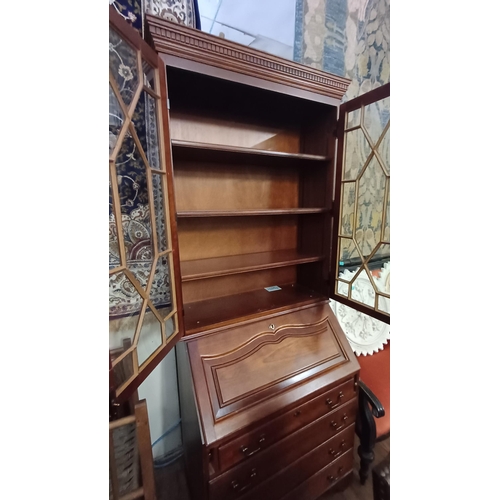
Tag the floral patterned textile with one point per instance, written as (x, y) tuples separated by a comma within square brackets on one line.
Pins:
[(131, 11), (132, 179), (179, 11)]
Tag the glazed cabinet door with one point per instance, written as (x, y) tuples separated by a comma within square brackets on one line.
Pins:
[(145, 312), (361, 230)]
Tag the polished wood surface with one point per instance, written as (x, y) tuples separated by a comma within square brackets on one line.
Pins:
[(243, 376), (306, 461), (234, 264), (211, 313), (323, 480), (231, 453), (220, 418), (194, 45), (225, 136), (205, 238), (269, 381), (247, 213), (172, 485), (232, 188), (224, 286), (188, 150)]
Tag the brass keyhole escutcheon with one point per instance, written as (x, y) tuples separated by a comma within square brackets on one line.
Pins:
[(271, 326)]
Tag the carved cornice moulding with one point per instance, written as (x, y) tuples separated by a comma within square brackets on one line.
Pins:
[(189, 43)]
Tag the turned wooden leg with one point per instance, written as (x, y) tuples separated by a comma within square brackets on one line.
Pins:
[(366, 431), (365, 458)]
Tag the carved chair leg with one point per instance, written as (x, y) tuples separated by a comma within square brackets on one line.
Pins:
[(366, 431), (366, 458)]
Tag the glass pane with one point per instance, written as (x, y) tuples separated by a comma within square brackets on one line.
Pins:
[(387, 229), (384, 304), (384, 280), (149, 75), (348, 254), (134, 201), (371, 192), (380, 259), (384, 149), (123, 66), (356, 152), (123, 371), (353, 118), (347, 213), (376, 118), (145, 125), (115, 120), (362, 290), (114, 252), (125, 303), (160, 216), (150, 337), (160, 289), (343, 288), (171, 326)]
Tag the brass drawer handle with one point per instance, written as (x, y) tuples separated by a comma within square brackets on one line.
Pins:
[(236, 485), (331, 404), (334, 424), (338, 453), (333, 479), (244, 449)]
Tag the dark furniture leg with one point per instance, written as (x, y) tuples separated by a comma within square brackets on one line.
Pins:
[(369, 406)]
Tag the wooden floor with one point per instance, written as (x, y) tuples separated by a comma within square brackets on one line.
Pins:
[(171, 482)]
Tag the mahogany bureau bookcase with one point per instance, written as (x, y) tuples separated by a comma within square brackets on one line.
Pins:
[(268, 383)]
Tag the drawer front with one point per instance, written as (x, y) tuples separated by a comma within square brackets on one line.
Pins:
[(298, 472), (246, 476), (316, 485), (252, 443)]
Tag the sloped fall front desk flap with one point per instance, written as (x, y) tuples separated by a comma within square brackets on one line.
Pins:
[(263, 365)]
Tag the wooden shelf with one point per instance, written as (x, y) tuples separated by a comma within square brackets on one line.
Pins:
[(243, 213), (235, 264), (205, 314), (200, 151)]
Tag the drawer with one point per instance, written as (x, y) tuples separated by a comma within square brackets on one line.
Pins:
[(317, 484), (253, 443), (336, 428), (299, 471)]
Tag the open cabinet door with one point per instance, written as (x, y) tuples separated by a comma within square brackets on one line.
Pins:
[(145, 319), (361, 229)]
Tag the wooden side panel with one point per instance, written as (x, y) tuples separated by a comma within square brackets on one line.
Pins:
[(191, 433)]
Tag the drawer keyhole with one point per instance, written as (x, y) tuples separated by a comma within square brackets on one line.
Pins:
[(271, 326)]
